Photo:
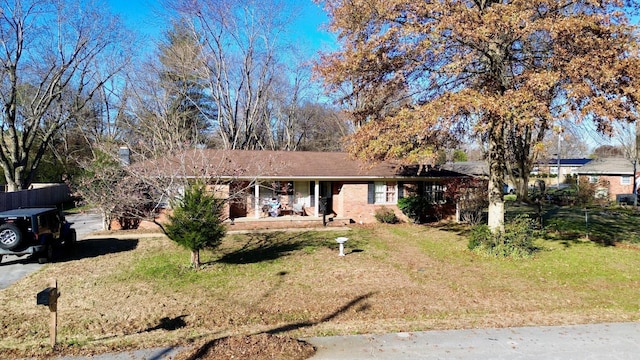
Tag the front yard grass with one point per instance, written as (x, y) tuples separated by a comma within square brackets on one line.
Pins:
[(393, 278)]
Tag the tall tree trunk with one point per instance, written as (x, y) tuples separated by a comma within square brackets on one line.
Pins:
[(522, 187), (106, 219), (12, 185), (195, 258), (636, 153), (496, 175)]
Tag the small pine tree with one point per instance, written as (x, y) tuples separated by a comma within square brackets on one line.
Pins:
[(196, 222)]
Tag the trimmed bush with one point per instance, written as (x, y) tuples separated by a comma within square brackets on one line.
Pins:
[(415, 207), (515, 241), (386, 216)]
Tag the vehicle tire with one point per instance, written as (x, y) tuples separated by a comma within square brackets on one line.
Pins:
[(70, 239), (10, 236), (47, 256)]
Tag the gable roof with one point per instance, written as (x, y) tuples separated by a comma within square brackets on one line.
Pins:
[(281, 164), (607, 166), (475, 168)]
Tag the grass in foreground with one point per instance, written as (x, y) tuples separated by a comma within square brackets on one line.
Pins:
[(141, 293)]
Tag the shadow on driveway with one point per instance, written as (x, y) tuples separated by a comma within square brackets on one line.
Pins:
[(83, 249)]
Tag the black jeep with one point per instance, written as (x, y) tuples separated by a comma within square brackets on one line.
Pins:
[(31, 231)]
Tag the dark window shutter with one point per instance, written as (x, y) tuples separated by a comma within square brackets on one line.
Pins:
[(421, 191), (371, 195), (400, 189)]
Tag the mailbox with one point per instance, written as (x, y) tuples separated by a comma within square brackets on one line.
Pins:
[(47, 296)]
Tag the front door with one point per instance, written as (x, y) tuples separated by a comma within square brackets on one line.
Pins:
[(326, 195)]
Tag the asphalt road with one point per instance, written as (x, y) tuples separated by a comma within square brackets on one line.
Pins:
[(13, 268)]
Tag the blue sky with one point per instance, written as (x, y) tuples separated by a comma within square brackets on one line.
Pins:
[(139, 15)]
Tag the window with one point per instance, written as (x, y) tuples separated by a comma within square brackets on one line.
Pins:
[(593, 179), (625, 180), (434, 192), (385, 192)]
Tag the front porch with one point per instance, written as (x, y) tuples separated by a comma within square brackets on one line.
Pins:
[(285, 222), (284, 200)]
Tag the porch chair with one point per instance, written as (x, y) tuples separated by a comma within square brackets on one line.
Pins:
[(298, 209)]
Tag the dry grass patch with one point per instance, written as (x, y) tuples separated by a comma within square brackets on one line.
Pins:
[(139, 293)]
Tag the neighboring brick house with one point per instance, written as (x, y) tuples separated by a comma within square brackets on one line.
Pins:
[(550, 167), (353, 191), (614, 177)]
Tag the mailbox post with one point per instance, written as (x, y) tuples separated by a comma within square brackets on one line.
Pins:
[(49, 297), (322, 207)]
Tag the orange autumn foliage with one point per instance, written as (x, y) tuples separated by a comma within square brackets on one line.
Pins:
[(425, 73)]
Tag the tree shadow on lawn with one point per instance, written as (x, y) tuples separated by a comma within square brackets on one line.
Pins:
[(570, 225), (168, 324), (83, 249), (270, 246), (91, 248), (600, 226), (341, 310), (358, 301)]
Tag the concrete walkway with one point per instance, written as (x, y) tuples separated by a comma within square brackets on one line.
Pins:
[(620, 341)]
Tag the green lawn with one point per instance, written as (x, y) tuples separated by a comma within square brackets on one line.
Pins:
[(141, 292)]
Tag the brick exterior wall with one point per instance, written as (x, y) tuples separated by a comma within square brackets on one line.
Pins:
[(353, 197), (615, 186)]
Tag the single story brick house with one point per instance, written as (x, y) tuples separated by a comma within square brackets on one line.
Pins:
[(546, 167), (307, 185), (614, 177)]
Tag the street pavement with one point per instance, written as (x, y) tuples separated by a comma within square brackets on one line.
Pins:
[(619, 341)]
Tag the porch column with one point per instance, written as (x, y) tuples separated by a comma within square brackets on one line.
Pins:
[(256, 200), (316, 195)]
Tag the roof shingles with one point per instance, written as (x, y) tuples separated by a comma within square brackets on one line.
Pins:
[(608, 166), (274, 164)]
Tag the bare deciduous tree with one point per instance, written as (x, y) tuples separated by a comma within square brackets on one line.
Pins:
[(55, 56)]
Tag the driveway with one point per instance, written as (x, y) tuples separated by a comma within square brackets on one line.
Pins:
[(13, 268)]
